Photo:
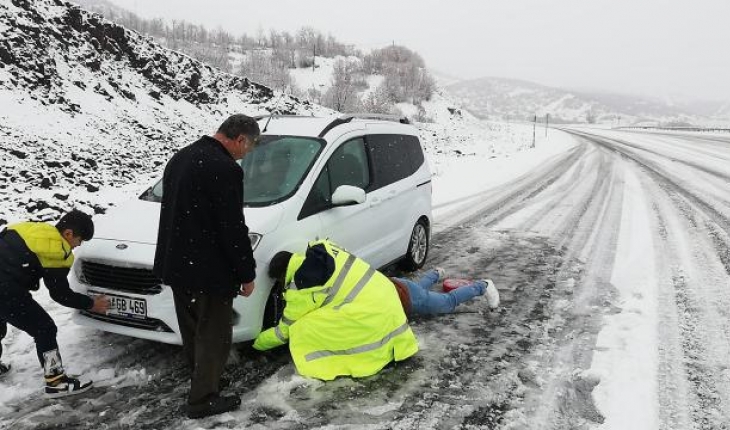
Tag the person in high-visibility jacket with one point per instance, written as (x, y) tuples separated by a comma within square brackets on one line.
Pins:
[(342, 317)]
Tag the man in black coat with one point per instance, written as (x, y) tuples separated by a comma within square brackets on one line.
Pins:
[(204, 253)]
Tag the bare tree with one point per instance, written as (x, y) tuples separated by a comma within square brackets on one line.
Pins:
[(378, 101), (262, 67), (342, 95)]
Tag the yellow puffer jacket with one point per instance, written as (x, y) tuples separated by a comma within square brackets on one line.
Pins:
[(30, 251), (46, 242), (353, 325)]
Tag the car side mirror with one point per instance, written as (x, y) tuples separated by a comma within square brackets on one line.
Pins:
[(347, 194)]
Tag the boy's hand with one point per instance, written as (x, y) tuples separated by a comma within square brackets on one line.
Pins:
[(101, 305)]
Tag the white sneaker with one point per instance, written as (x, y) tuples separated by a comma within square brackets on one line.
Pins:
[(66, 386), (441, 272), (492, 294)]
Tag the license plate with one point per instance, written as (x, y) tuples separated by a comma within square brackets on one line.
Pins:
[(125, 306)]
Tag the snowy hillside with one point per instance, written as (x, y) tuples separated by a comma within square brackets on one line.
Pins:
[(510, 99), (88, 105)]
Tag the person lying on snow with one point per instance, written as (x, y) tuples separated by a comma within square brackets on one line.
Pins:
[(30, 251), (342, 317), (418, 298)]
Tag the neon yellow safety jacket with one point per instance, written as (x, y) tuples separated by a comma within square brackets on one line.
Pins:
[(353, 325)]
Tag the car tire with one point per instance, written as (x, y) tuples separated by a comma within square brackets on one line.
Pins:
[(274, 307), (418, 244)]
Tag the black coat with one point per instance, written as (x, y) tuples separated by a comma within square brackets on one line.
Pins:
[(203, 242)]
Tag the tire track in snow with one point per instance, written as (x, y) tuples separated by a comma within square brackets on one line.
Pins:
[(694, 327)]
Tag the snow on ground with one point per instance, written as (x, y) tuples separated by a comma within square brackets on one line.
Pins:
[(469, 156), (627, 346)]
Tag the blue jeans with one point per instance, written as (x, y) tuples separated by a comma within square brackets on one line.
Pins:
[(427, 302)]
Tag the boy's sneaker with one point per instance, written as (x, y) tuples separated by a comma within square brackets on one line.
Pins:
[(4, 369), (64, 385), (441, 272), (492, 294)]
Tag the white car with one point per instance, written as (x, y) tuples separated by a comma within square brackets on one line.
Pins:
[(362, 182)]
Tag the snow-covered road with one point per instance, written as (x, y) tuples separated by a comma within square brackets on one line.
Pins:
[(613, 261)]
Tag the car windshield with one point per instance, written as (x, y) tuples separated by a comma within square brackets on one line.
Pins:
[(273, 171)]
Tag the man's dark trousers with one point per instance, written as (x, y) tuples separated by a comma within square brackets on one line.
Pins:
[(205, 322)]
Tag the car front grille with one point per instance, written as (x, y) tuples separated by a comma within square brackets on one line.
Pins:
[(127, 279), (150, 324)]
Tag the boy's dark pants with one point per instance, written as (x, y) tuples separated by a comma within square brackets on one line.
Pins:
[(20, 310), (205, 322)]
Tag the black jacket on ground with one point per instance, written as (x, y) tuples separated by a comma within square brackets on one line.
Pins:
[(203, 242), (21, 271)]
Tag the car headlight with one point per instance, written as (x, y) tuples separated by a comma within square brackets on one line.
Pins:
[(78, 271), (255, 238)]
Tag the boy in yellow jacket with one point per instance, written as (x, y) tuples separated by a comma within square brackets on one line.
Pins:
[(30, 251)]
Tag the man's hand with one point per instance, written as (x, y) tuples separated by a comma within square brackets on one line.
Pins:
[(246, 289), (101, 305)]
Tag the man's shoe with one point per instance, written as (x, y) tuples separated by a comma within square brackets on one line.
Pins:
[(441, 272), (214, 405), (4, 369), (64, 385), (492, 294)]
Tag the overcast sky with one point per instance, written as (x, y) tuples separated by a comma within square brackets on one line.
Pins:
[(668, 47)]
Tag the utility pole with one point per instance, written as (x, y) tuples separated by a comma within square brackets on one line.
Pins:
[(547, 120), (534, 127)]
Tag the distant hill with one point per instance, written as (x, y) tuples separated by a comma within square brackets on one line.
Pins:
[(511, 99)]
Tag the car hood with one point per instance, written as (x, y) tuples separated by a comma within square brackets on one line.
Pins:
[(137, 220)]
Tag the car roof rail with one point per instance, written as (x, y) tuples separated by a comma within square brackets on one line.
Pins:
[(350, 116), (337, 121), (380, 116), (280, 115)]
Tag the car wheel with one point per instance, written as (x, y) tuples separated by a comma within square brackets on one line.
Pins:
[(274, 307), (417, 247)]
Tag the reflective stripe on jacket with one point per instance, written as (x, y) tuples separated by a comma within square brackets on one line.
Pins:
[(352, 325)]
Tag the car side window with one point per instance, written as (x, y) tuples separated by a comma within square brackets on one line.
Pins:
[(415, 152), (391, 159), (348, 165), (319, 198)]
